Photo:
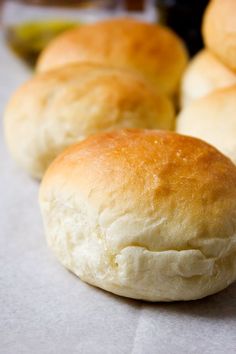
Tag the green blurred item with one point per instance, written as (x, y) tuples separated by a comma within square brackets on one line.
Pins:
[(28, 39)]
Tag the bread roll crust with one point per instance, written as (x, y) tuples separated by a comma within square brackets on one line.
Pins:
[(145, 214), (154, 51), (58, 108), (204, 74), (213, 119), (219, 30)]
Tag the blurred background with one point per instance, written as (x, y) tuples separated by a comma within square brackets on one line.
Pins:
[(28, 25)]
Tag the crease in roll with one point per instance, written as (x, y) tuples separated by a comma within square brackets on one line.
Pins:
[(204, 74), (213, 119)]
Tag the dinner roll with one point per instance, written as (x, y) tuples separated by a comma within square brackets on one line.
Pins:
[(212, 118), (204, 74), (58, 108), (144, 214), (154, 51), (219, 30)]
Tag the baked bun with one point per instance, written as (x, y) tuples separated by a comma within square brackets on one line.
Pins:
[(204, 74), (154, 51), (219, 30), (212, 118), (143, 214), (58, 108)]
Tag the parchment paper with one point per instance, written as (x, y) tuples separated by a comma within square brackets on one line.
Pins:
[(44, 309)]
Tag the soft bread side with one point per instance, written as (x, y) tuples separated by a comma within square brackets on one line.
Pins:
[(143, 214)]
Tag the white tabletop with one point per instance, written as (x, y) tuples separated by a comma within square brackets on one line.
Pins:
[(44, 309)]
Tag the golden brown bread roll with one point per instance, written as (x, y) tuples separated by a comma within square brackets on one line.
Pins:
[(212, 118), (219, 30), (58, 108), (154, 51), (204, 74), (143, 214)]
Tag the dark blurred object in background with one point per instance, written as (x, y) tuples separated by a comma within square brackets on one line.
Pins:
[(134, 5), (185, 18), (30, 24)]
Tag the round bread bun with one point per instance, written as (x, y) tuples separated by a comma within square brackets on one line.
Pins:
[(61, 107), (144, 214), (219, 30), (213, 119), (204, 74), (154, 51)]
